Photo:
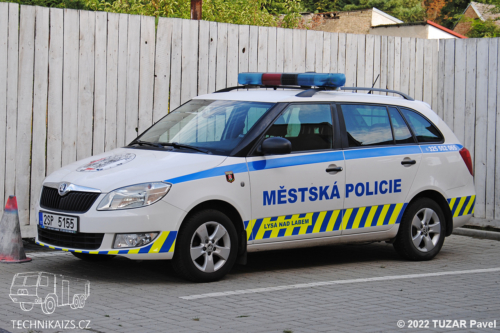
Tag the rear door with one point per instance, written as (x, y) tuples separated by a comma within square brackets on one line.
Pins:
[(382, 159), (296, 196)]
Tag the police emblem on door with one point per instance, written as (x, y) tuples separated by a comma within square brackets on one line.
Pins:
[(230, 176)]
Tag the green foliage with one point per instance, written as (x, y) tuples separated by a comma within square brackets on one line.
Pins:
[(486, 29), (405, 10), (284, 13)]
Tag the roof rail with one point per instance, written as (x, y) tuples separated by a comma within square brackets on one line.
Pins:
[(258, 86), (405, 96)]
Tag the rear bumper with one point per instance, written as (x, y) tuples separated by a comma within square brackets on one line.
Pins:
[(460, 221)]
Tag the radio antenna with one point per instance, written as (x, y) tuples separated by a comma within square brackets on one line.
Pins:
[(373, 85)]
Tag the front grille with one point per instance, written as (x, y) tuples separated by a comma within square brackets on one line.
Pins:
[(78, 202), (83, 241)]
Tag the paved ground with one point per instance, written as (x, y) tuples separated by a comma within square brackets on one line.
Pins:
[(129, 296)]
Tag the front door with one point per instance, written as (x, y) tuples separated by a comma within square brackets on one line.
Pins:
[(299, 195), (382, 159)]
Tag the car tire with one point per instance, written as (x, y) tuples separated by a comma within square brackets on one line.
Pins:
[(422, 231), (76, 302), (49, 306), (82, 301), (93, 257), (206, 247)]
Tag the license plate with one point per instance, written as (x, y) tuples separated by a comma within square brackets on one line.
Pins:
[(58, 222)]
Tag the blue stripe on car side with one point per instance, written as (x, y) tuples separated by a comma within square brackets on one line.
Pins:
[(383, 151)]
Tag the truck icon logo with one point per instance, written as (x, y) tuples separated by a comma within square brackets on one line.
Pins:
[(49, 291)]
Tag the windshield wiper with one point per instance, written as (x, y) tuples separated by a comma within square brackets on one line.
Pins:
[(180, 145), (146, 143)]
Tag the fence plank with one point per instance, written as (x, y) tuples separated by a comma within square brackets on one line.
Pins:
[(481, 127), (12, 84), (262, 50), (280, 50), (220, 78), (4, 41), (377, 52), (189, 71), (288, 52), (176, 63), (25, 110), (419, 69), (39, 108), (203, 47), (85, 85), (271, 49), (383, 63), (121, 100), (370, 40), (232, 56), (427, 89), (435, 71), (212, 57), (55, 94), (397, 63), (361, 50), (459, 91), (491, 127), (310, 50), (351, 65), (101, 35), (111, 81), (334, 52), (497, 154), (299, 50), (440, 99), (449, 81), (470, 95), (243, 44), (326, 56), (405, 65), (318, 62), (147, 69), (413, 63), (390, 62)]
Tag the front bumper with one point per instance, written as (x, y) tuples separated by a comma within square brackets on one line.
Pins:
[(160, 217)]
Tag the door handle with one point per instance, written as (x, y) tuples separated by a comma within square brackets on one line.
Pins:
[(334, 169), (408, 162)]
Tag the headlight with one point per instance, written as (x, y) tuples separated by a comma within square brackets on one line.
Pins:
[(134, 196)]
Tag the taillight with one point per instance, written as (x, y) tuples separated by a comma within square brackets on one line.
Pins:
[(464, 152)]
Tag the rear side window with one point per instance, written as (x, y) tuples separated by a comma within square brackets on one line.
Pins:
[(367, 125), (423, 129), (401, 132)]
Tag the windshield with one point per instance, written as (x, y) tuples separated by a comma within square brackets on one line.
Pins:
[(217, 126)]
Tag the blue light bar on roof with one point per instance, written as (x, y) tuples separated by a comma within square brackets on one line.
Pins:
[(332, 80)]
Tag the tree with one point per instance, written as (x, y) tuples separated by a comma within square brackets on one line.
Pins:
[(433, 9), (486, 29)]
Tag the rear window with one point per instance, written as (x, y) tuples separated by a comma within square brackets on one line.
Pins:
[(423, 129), (367, 125), (401, 132)]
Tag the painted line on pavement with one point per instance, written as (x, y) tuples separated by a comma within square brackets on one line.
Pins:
[(328, 283), (46, 254)]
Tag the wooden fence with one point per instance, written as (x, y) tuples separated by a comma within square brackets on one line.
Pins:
[(78, 83)]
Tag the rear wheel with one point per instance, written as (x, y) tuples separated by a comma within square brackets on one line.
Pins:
[(206, 247), (76, 302), (49, 306), (422, 230), (93, 257)]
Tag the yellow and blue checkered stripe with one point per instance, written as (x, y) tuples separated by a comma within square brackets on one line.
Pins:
[(164, 243), (462, 205), (326, 221)]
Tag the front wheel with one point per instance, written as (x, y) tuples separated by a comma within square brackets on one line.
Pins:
[(206, 247), (49, 306), (26, 306), (422, 231)]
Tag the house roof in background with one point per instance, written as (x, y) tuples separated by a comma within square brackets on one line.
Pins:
[(484, 11), (435, 25), (378, 11)]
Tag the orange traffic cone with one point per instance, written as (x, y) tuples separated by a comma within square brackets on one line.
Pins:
[(11, 243)]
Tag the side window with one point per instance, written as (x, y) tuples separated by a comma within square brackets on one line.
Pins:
[(423, 129), (401, 132), (306, 126), (367, 125), (44, 281)]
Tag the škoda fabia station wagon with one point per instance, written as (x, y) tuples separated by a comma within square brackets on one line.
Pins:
[(282, 161)]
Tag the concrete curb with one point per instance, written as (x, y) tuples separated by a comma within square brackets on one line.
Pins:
[(477, 233)]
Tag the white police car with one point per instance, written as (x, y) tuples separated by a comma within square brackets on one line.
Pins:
[(245, 170)]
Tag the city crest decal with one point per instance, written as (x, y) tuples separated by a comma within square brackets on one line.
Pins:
[(229, 176)]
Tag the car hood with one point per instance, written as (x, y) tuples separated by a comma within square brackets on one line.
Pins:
[(125, 166)]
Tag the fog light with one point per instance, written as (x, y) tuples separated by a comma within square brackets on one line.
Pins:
[(134, 240)]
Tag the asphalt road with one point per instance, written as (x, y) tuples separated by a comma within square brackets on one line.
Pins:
[(348, 288)]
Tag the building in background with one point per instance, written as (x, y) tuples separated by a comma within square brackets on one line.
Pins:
[(424, 30), (353, 22), (476, 11)]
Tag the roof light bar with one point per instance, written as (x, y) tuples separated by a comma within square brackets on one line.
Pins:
[(333, 80)]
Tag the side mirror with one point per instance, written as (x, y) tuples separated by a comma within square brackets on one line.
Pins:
[(276, 146)]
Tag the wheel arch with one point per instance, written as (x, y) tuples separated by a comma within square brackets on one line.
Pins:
[(442, 202), (233, 214)]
